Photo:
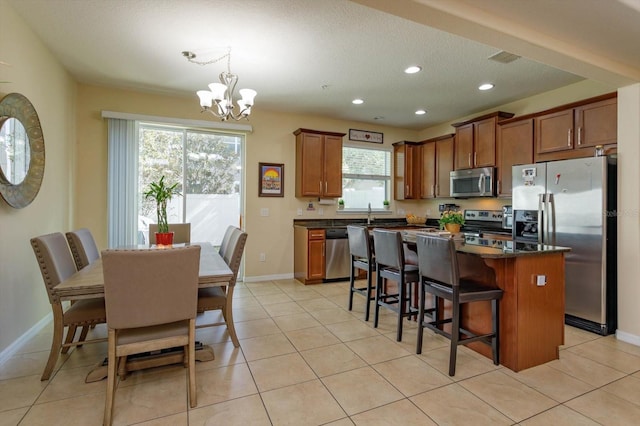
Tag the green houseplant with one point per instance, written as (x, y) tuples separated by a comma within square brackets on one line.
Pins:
[(340, 204), (385, 204), (162, 193), (451, 220)]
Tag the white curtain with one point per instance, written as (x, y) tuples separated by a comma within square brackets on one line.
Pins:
[(122, 181)]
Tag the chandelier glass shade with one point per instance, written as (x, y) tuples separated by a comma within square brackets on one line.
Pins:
[(218, 100)]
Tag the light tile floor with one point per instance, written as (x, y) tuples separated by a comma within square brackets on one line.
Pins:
[(306, 360)]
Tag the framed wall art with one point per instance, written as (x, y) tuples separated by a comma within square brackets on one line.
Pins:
[(365, 136), (271, 180)]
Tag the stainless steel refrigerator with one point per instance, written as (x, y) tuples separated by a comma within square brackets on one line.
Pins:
[(572, 203)]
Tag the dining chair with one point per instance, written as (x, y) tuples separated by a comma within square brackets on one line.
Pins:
[(225, 239), (56, 265), (362, 258), (391, 265), (221, 298), (83, 247), (181, 232), (440, 277), (151, 298)]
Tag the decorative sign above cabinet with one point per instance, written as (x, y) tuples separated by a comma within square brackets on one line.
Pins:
[(365, 136)]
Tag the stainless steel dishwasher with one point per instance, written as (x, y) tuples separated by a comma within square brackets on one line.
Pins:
[(337, 257)]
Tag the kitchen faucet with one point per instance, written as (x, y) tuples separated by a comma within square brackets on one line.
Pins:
[(369, 214)]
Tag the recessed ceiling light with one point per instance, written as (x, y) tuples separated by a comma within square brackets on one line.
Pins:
[(486, 86), (357, 101), (421, 112), (413, 69)]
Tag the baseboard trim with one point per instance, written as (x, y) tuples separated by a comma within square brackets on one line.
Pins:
[(628, 337), (15, 346), (267, 278)]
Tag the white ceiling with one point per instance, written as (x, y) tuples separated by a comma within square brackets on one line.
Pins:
[(315, 56)]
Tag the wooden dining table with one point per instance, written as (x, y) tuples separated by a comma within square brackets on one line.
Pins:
[(88, 283)]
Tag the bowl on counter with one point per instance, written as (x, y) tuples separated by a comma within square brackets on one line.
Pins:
[(416, 220)]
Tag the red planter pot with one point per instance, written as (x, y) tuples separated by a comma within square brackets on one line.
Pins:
[(164, 238)]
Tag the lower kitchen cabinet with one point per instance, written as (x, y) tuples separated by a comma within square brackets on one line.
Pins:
[(308, 258)]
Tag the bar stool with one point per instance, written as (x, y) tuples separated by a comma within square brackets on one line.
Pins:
[(440, 276), (361, 258), (390, 264)]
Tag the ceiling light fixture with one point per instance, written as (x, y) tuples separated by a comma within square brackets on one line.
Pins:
[(413, 69), (357, 101), (421, 112), (222, 93), (485, 86)]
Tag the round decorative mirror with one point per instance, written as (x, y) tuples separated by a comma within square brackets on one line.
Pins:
[(21, 151)]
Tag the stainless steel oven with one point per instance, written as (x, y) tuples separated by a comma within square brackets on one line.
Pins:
[(472, 183)]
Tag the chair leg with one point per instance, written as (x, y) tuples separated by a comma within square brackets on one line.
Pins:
[(495, 341), (352, 280), (71, 333), (56, 343), (402, 300), (421, 304), (83, 334), (111, 379), (193, 395), (378, 290), (367, 308), (227, 313), (455, 337)]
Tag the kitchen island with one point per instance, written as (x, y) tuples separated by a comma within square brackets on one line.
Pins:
[(532, 306)]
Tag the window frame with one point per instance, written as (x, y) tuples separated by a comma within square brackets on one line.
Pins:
[(388, 178)]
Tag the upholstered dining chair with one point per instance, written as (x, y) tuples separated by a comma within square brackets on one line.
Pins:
[(83, 247), (440, 276), (221, 298), (362, 257), (56, 265), (151, 298), (225, 239), (181, 232), (391, 265)]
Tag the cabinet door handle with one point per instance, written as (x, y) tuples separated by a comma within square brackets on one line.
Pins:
[(407, 193), (325, 187), (437, 190), (475, 158), (569, 137), (320, 187), (469, 160), (498, 184), (579, 135), (433, 190)]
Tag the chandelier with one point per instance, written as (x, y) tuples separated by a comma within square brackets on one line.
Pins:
[(218, 100)]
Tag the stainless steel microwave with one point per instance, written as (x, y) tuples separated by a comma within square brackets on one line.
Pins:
[(473, 183)]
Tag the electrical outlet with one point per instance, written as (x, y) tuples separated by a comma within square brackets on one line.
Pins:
[(263, 257), (264, 211), (320, 211), (401, 211), (299, 212), (541, 280)]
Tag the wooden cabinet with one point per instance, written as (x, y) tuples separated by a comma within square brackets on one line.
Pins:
[(514, 147), (574, 130), (309, 255), (318, 163), (475, 143), (436, 165), (406, 170)]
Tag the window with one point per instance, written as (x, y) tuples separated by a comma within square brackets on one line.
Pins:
[(207, 167), (366, 177)]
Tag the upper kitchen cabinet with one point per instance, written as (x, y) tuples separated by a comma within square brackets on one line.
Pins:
[(572, 131), (437, 163), (318, 163), (406, 170), (514, 147), (475, 143)]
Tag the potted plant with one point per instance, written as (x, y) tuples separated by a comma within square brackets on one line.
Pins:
[(162, 193), (385, 204), (340, 204), (452, 220)]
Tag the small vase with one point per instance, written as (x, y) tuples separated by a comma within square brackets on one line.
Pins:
[(164, 238), (454, 228)]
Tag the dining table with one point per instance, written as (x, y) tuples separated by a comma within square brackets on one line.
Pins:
[(89, 283)]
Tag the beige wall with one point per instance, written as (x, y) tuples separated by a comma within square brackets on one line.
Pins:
[(35, 73)]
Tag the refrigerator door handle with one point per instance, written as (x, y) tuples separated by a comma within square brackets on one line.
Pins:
[(541, 200), (551, 220)]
